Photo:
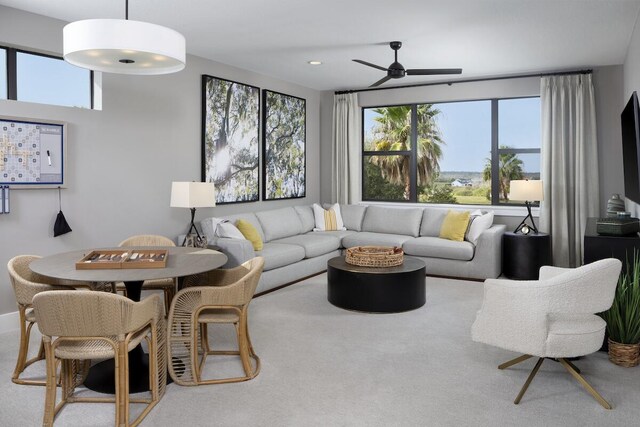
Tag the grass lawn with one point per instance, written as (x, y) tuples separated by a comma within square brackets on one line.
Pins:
[(472, 200)]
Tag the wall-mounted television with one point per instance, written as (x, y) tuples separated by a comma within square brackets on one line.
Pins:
[(630, 119)]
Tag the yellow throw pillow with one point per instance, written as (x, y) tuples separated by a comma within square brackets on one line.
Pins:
[(250, 233), (454, 225)]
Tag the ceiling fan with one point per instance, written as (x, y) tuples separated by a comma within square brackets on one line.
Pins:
[(397, 71)]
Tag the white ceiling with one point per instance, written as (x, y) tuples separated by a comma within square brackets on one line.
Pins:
[(278, 37)]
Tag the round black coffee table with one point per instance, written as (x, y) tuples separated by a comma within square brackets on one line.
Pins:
[(376, 290)]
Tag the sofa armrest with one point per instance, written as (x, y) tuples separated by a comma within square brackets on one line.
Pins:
[(237, 251), (489, 248)]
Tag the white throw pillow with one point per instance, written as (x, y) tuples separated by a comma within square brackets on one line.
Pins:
[(479, 223), (327, 220), (227, 229)]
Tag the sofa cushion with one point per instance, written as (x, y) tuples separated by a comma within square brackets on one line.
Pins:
[(208, 229), (432, 221), (352, 216), (339, 233), (279, 254), (329, 219), (279, 223), (250, 233), (229, 230), (436, 247), (480, 222), (365, 238), (306, 217), (381, 219), (314, 244), (455, 225)]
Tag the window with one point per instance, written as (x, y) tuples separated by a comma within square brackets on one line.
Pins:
[(442, 152), (518, 142), (44, 79), (3, 73)]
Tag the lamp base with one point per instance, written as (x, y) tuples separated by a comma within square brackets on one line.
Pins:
[(525, 228), (192, 226)]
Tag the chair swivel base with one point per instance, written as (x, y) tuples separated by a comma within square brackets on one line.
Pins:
[(570, 367)]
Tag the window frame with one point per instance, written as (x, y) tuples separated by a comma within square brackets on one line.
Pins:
[(12, 74), (412, 153)]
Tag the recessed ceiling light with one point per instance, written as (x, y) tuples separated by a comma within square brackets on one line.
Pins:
[(315, 62)]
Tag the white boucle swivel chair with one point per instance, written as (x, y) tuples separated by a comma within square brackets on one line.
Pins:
[(549, 318)]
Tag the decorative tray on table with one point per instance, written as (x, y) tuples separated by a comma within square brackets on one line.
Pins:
[(374, 256), (104, 259)]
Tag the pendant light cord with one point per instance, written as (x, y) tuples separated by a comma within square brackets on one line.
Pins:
[(59, 199), (126, 9)]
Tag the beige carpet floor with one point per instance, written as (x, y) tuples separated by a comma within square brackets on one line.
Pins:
[(324, 366)]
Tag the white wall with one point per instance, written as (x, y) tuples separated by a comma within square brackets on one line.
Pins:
[(121, 160), (608, 93), (631, 73)]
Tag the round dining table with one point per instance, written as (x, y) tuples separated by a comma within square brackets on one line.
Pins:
[(180, 263)]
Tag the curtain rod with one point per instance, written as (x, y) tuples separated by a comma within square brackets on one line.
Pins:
[(484, 79)]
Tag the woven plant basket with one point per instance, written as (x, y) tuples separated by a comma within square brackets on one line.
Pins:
[(375, 256), (627, 355)]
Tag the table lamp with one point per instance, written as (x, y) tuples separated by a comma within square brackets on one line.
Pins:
[(192, 195), (529, 191)]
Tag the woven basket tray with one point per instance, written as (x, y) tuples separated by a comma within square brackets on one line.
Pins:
[(374, 256)]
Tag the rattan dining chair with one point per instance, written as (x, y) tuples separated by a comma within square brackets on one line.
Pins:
[(26, 284), (168, 286), (81, 325), (223, 297)]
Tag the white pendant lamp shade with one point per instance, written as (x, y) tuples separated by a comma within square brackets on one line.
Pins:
[(124, 47)]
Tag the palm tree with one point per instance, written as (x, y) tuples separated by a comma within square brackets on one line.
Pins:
[(393, 133), (510, 167)]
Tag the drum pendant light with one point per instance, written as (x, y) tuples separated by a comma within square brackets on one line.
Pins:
[(124, 46)]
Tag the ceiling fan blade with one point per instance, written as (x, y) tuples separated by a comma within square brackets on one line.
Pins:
[(379, 82), (369, 64), (433, 71)]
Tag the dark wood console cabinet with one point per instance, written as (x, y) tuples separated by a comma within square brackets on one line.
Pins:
[(598, 246)]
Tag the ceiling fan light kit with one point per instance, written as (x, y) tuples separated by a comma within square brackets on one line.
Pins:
[(397, 71), (124, 46)]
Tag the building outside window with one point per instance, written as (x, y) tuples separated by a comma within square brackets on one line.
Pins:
[(442, 152)]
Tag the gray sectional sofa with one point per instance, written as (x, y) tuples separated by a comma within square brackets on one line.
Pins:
[(292, 250)]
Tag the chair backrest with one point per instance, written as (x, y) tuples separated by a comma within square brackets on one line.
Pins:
[(147, 240), (255, 267), (586, 289), (25, 282), (88, 313)]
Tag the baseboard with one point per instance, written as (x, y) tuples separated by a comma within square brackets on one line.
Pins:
[(9, 322), (268, 291)]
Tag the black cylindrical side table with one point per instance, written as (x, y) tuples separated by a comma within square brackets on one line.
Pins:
[(524, 254)]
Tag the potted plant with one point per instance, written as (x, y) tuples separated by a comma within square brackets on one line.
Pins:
[(623, 318)]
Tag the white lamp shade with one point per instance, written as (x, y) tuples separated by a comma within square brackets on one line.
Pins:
[(527, 190), (193, 195), (124, 46)]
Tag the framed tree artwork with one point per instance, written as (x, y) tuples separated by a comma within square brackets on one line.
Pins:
[(230, 139), (284, 148)]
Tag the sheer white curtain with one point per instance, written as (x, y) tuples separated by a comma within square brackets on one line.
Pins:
[(569, 165), (345, 158)]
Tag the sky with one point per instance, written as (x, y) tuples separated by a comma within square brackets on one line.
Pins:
[(466, 129), (3, 74), (48, 81)]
